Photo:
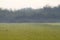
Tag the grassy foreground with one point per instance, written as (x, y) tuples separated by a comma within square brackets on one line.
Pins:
[(29, 31)]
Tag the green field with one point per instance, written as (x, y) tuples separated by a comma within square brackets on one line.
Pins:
[(29, 31)]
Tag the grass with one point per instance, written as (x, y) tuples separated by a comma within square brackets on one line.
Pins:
[(29, 31)]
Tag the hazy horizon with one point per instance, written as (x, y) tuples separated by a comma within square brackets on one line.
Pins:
[(18, 4)]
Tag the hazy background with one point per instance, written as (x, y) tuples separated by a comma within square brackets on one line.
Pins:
[(29, 11), (18, 4)]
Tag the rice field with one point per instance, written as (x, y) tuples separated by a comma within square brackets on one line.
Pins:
[(29, 31)]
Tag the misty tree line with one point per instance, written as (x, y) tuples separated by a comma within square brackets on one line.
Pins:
[(45, 14)]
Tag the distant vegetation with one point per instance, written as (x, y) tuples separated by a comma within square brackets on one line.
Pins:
[(45, 14)]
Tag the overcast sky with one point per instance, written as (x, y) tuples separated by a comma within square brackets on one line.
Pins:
[(18, 4)]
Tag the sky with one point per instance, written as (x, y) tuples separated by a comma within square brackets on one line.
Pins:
[(18, 4)]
